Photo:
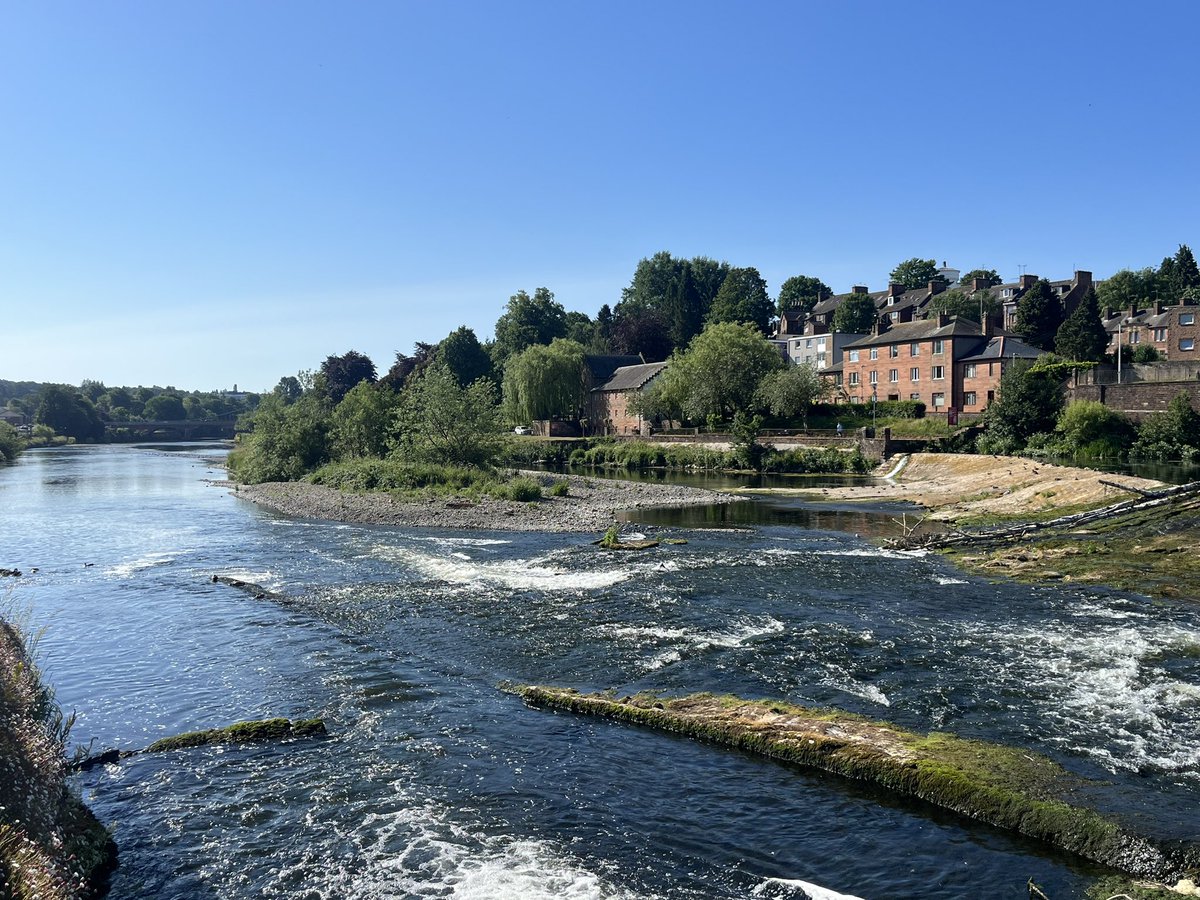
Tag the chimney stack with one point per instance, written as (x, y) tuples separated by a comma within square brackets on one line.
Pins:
[(936, 287), (943, 319), (979, 284), (895, 289), (860, 289), (1028, 281)]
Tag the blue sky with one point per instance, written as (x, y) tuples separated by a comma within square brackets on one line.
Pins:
[(203, 194)]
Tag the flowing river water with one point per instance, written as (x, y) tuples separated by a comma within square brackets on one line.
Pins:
[(437, 784)]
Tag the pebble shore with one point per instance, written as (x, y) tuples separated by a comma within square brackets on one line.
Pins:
[(591, 505)]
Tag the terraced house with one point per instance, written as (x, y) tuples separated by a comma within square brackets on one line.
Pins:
[(944, 362), (1174, 331)]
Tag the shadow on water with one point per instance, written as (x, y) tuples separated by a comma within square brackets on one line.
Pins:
[(1167, 472)]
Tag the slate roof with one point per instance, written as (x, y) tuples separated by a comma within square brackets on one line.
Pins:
[(1003, 346), (919, 330), (631, 378), (602, 367)]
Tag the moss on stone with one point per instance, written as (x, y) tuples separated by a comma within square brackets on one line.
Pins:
[(1003, 786), (242, 733)]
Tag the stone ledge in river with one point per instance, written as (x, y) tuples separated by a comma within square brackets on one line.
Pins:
[(257, 591), (999, 785), (243, 733)]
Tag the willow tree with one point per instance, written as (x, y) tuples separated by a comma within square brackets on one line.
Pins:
[(545, 382)]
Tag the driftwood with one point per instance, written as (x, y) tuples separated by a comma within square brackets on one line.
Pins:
[(1002, 534)]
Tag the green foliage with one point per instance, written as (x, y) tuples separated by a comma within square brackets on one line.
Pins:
[(528, 321), (1128, 289), (560, 488), (69, 413), (242, 733), (286, 441), (641, 330), (1178, 274), (790, 391), (288, 389), (677, 292), (1146, 353), (1172, 434), (11, 444), (339, 374), (461, 353), (545, 382), (361, 424), (524, 490), (963, 304), (639, 455), (802, 292), (1087, 429), (1029, 403), (408, 479), (440, 421), (164, 408), (1039, 315), (612, 537), (855, 315), (742, 298), (718, 374), (746, 449), (406, 367), (991, 276), (915, 273), (1082, 336)]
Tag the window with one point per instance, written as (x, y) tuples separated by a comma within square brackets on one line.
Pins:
[(837, 378), (1160, 334), (820, 343), (874, 377), (914, 349), (874, 353), (1187, 318), (894, 351), (939, 372), (894, 375), (1135, 337), (939, 400), (853, 356), (854, 378), (808, 344), (969, 370), (914, 396), (821, 361), (1007, 292), (939, 346), (914, 374), (1187, 344), (990, 369), (969, 398)]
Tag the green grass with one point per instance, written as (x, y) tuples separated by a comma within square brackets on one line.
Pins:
[(690, 457), (242, 733), (408, 479)]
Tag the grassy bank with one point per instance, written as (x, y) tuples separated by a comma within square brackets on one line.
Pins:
[(420, 480), (51, 846), (1002, 786), (644, 455)]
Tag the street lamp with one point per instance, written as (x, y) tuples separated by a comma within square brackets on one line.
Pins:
[(874, 400), (1120, 322)]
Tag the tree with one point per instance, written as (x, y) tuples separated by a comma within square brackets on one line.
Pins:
[(341, 373), (288, 389), (1082, 337), (743, 297), (790, 391), (1178, 273), (406, 367), (642, 331), (527, 321), (166, 407), (69, 413), (1029, 403), (361, 424), (988, 275), (1128, 289), (802, 292), (855, 315), (442, 421), (718, 373), (461, 353), (545, 382), (915, 273), (1172, 434), (286, 441), (681, 291), (1039, 315), (972, 306), (11, 444), (1089, 429)]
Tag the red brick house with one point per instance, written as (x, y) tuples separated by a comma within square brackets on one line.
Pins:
[(944, 362), (609, 403), (1174, 331)]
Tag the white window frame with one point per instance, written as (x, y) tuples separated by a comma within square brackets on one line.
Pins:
[(1187, 343), (914, 374), (939, 345), (969, 370), (938, 373), (894, 376)]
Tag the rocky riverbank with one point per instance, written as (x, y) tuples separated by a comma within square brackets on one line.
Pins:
[(590, 505)]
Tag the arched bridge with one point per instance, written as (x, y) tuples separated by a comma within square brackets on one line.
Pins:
[(183, 430)]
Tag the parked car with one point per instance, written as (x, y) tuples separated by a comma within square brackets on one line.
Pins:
[(522, 429)]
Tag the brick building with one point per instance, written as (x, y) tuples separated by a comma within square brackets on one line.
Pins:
[(944, 362), (609, 403), (1174, 331)]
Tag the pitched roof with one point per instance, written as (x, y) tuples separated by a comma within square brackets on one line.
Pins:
[(602, 366), (919, 330), (631, 378), (1004, 346)]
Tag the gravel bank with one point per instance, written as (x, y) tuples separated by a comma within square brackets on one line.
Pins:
[(591, 505)]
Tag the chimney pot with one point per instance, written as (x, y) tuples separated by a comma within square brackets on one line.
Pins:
[(936, 286), (859, 289), (895, 289)]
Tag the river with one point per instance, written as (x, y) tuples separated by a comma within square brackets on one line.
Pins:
[(437, 784)]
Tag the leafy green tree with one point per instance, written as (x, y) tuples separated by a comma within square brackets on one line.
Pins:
[(545, 382), (855, 315), (528, 321), (339, 374), (991, 276), (1172, 434), (1090, 430), (642, 331), (790, 391), (165, 407), (1039, 315), (1127, 288), (1082, 337), (680, 291), (1029, 403), (11, 444), (802, 292), (915, 273), (361, 424), (743, 297), (1178, 273), (288, 389), (1146, 353), (69, 413), (442, 421), (406, 367), (461, 352), (971, 306), (91, 389), (718, 374), (286, 441)]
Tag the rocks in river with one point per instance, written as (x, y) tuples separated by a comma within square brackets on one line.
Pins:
[(10, 573), (243, 733), (257, 591)]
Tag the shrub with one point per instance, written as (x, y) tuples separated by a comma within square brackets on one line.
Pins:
[(1090, 430), (524, 490), (1173, 434), (560, 489), (10, 442)]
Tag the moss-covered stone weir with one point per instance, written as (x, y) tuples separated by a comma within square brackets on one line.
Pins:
[(1002, 786), (242, 733)]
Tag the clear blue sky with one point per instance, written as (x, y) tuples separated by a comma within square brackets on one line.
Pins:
[(209, 193)]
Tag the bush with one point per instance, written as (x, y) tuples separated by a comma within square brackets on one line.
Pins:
[(10, 443), (560, 489), (524, 490), (1090, 430), (1173, 434)]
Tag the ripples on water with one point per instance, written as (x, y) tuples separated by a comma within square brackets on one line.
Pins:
[(435, 784)]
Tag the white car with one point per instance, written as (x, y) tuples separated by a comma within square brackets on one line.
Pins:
[(522, 429)]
